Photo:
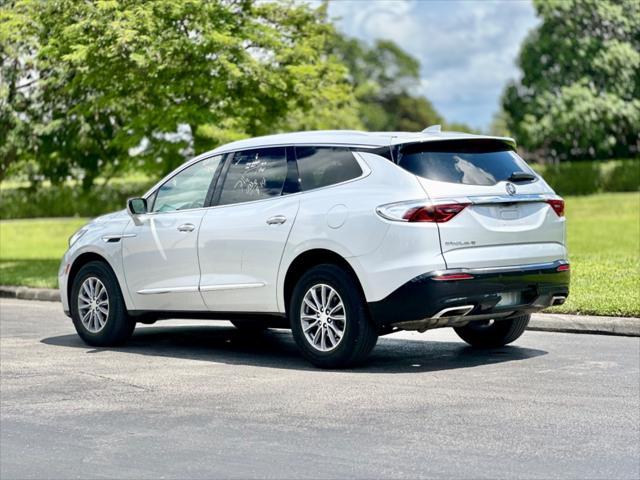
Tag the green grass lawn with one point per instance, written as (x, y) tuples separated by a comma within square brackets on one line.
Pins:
[(31, 249), (603, 233), (604, 250)]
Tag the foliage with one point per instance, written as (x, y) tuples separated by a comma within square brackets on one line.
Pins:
[(603, 250), (622, 176), (579, 96), (99, 81), (584, 178), (385, 79), (67, 200), (16, 61)]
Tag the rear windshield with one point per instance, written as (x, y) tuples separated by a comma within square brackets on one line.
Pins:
[(474, 162)]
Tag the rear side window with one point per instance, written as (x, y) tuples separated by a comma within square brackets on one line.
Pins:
[(254, 175), (474, 162), (323, 166)]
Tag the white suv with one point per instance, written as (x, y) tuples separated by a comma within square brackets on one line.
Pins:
[(341, 236)]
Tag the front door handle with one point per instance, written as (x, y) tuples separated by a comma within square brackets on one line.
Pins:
[(277, 220), (187, 227)]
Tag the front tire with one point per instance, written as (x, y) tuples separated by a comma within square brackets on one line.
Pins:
[(329, 318), (493, 333), (97, 307)]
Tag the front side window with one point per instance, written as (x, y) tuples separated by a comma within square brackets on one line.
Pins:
[(254, 175), (187, 189), (470, 162), (323, 166)]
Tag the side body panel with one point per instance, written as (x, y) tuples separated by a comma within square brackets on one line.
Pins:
[(240, 247), (342, 218), (161, 261), (110, 225)]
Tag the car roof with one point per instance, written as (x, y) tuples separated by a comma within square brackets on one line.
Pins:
[(351, 138)]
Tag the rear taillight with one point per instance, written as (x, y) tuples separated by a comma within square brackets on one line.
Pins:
[(421, 211), (563, 268), (558, 206)]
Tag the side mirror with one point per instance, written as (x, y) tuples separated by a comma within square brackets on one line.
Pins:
[(137, 206)]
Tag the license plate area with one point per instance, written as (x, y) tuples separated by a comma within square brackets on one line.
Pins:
[(508, 299)]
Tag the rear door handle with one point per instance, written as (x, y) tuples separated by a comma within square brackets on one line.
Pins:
[(277, 220), (187, 227)]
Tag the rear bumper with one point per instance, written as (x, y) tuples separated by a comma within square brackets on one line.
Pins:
[(424, 297)]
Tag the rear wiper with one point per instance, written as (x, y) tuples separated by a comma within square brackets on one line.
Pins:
[(521, 177)]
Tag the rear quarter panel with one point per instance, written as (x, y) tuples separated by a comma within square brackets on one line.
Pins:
[(342, 218)]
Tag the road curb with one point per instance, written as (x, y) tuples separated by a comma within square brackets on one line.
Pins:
[(543, 322), (27, 293), (553, 322)]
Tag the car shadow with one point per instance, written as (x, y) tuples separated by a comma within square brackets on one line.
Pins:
[(277, 349)]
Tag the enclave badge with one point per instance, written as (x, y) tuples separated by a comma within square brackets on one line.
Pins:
[(511, 188)]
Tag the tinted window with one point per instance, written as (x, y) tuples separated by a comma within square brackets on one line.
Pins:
[(254, 175), (322, 166), (467, 162), (187, 189)]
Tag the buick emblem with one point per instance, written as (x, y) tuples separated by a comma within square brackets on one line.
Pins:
[(511, 188)]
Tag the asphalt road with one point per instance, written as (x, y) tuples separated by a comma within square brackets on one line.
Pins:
[(200, 399)]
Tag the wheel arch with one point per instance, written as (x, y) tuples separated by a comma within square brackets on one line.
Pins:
[(308, 259), (81, 261)]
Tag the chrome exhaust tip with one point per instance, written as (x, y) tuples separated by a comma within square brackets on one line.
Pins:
[(558, 300), (454, 312)]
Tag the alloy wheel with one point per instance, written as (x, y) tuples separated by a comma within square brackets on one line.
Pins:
[(323, 317), (93, 304)]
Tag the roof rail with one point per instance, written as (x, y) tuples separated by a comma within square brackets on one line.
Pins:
[(433, 129)]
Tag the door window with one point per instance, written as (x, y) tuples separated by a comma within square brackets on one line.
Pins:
[(323, 166), (187, 189), (254, 175)]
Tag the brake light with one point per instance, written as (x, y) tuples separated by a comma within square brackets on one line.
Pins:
[(420, 211), (563, 268), (453, 276), (558, 206)]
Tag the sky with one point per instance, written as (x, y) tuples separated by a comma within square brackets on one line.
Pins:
[(467, 48)]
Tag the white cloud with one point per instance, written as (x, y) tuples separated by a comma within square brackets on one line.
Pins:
[(467, 48)]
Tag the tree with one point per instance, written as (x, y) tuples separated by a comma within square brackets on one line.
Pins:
[(385, 79), (116, 82), (579, 96), (16, 63)]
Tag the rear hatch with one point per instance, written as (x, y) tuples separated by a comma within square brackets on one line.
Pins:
[(511, 216)]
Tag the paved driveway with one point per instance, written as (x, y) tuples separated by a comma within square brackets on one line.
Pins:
[(200, 399)]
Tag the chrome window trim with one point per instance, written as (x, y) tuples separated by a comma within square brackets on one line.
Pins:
[(304, 144), (366, 171), (208, 155)]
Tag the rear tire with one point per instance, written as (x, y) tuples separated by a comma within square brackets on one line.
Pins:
[(496, 334), (97, 307), (329, 318)]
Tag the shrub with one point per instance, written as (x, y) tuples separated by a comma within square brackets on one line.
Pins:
[(67, 201), (622, 176), (586, 177)]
